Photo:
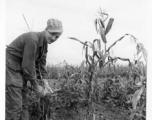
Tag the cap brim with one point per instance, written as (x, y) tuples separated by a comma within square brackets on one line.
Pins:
[(57, 30)]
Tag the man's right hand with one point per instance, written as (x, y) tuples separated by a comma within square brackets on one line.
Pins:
[(39, 90)]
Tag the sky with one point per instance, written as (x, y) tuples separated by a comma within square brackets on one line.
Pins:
[(78, 17)]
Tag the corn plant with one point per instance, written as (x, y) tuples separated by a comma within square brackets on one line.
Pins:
[(98, 57)]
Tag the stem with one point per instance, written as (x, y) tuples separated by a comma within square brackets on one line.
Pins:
[(26, 22), (105, 48)]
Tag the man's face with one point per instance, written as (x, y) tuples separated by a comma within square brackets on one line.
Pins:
[(51, 36)]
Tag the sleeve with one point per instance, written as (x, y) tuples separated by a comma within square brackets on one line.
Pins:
[(28, 61), (43, 66)]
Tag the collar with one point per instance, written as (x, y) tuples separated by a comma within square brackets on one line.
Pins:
[(42, 40)]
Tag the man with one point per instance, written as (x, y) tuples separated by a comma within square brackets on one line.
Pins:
[(23, 56)]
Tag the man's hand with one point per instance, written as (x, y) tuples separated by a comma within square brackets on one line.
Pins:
[(48, 89), (39, 90)]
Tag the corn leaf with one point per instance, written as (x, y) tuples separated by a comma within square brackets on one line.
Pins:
[(91, 45), (73, 75), (109, 25), (73, 38), (140, 65), (140, 83), (134, 39), (95, 23), (102, 14), (116, 42), (102, 33), (122, 82), (90, 58), (101, 63), (100, 53), (84, 46), (102, 23), (145, 54), (82, 65), (86, 56), (140, 48), (98, 44), (136, 97)]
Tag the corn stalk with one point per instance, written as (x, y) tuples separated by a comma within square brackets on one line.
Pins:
[(98, 56)]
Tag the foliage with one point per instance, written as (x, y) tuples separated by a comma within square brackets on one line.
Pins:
[(116, 87)]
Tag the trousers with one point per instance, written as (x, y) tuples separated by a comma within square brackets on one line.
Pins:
[(16, 97)]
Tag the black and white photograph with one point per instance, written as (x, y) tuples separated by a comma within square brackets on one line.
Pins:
[(76, 59)]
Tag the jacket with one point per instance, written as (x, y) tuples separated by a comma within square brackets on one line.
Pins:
[(30, 51)]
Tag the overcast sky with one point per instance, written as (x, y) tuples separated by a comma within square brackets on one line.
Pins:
[(77, 16)]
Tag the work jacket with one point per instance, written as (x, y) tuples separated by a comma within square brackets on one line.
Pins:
[(30, 51)]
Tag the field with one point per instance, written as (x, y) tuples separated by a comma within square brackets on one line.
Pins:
[(116, 93), (98, 89)]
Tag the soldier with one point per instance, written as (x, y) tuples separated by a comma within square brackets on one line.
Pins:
[(23, 56)]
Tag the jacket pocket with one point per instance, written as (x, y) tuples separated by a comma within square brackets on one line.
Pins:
[(13, 65)]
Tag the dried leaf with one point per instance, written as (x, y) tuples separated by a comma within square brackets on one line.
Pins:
[(116, 42), (95, 23), (102, 23), (134, 39), (86, 56), (109, 25), (98, 44), (73, 75), (140, 83), (122, 82), (136, 97), (140, 48), (73, 38), (91, 45)]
